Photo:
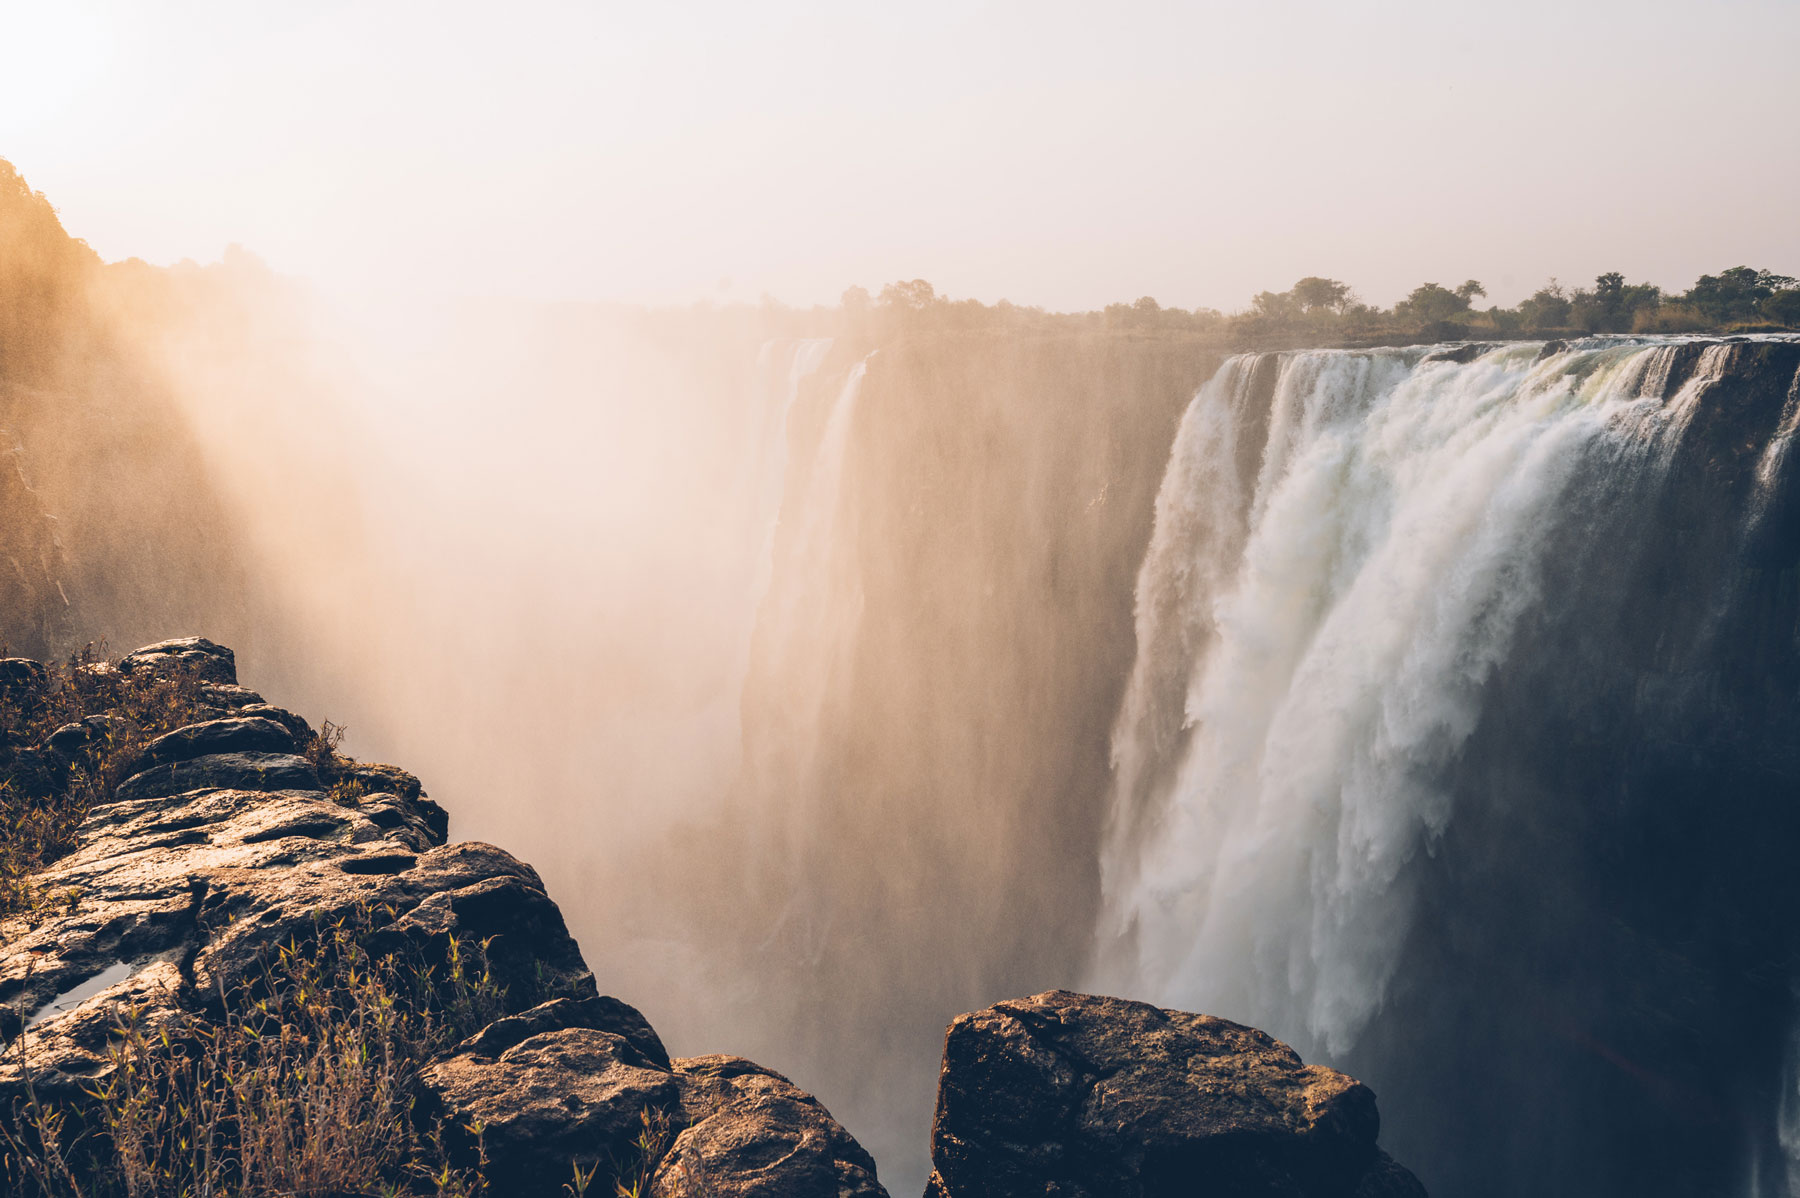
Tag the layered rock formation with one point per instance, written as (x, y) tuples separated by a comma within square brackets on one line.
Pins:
[(223, 843)]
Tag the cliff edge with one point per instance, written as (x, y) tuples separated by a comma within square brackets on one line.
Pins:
[(223, 861), (235, 961)]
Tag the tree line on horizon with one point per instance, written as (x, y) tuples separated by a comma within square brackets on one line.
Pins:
[(1316, 309)]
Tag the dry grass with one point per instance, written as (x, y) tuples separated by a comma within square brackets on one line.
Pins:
[(42, 800), (307, 1087), (305, 1084), (654, 1137)]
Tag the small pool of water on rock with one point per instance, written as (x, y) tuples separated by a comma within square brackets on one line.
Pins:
[(68, 1000)]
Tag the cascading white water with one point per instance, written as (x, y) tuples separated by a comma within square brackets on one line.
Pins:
[(804, 357), (808, 615), (782, 367), (1312, 646)]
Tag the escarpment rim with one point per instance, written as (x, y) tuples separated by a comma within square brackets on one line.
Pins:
[(240, 834)]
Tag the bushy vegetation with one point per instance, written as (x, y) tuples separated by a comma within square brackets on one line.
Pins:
[(1322, 311), (308, 1085), (305, 1082)]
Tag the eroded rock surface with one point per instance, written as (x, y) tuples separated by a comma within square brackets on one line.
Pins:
[(574, 1095), (1085, 1097), (223, 843), (193, 654), (754, 1134)]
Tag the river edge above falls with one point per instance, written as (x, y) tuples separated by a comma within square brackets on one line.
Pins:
[(227, 839)]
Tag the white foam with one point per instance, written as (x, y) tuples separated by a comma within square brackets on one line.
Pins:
[(1312, 651)]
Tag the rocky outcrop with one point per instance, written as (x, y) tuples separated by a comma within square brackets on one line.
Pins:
[(1086, 1097), (223, 843), (22, 681), (751, 1133), (577, 1094), (193, 654)]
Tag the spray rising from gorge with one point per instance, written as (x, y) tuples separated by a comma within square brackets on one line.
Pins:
[(844, 671), (1332, 691)]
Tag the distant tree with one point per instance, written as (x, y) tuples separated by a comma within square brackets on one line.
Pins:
[(1505, 320), (1280, 306), (1736, 294), (855, 300), (1469, 290), (1783, 307), (910, 296), (1313, 294), (1549, 307), (1612, 306), (1430, 303)]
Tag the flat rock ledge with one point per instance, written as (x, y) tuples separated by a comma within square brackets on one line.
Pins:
[(221, 844), (1078, 1096)]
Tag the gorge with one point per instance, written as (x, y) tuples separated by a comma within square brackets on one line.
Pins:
[(1453, 743), (1430, 708)]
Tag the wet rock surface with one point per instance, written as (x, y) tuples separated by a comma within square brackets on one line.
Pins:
[(1087, 1097), (221, 771)]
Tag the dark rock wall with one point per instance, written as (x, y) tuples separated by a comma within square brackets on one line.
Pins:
[(1598, 995)]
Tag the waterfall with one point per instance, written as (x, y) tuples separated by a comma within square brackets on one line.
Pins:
[(807, 615), (1340, 559), (782, 369), (804, 357)]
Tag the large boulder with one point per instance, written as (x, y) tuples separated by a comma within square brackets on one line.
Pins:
[(1087, 1097), (588, 1085), (189, 654), (752, 1133), (23, 682), (214, 736), (561, 1098)]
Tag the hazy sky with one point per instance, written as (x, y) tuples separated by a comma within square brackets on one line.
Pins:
[(1057, 154)]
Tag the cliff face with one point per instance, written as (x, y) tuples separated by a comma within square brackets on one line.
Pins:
[(936, 817), (85, 417), (1608, 925), (1596, 940), (31, 562)]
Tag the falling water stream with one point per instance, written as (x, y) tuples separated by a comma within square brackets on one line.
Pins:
[(1348, 549)]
